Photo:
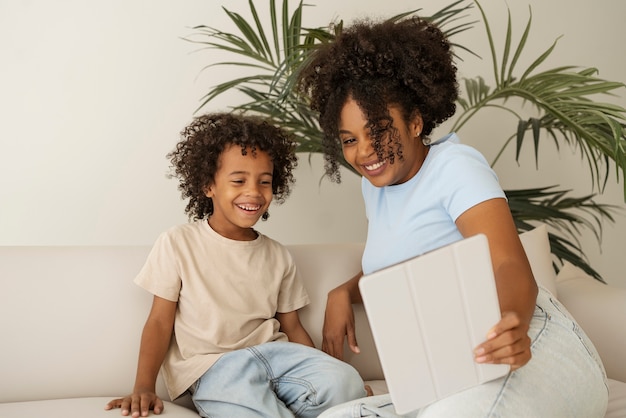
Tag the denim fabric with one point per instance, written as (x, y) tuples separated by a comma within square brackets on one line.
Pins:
[(275, 380), (564, 378)]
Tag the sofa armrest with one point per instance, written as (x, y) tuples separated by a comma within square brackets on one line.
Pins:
[(600, 310), (71, 320)]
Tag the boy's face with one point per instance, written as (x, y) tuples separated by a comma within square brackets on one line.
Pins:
[(241, 192)]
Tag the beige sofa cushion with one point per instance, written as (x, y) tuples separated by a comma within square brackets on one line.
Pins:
[(537, 246), (322, 268), (92, 407)]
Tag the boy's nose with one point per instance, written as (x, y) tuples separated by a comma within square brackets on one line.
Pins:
[(253, 189)]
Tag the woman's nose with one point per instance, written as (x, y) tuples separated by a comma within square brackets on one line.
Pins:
[(364, 147)]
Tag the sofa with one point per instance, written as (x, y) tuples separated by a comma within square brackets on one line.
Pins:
[(71, 319)]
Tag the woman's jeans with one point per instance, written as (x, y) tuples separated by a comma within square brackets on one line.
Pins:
[(275, 380), (564, 378)]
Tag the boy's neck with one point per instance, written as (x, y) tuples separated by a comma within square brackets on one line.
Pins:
[(236, 234)]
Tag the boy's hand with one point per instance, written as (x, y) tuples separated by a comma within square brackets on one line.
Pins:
[(137, 404), (507, 343)]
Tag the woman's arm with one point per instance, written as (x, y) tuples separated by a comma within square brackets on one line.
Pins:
[(339, 318), (507, 342), (290, 324)]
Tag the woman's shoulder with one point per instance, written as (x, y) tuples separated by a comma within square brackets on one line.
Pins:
[(449, 150)]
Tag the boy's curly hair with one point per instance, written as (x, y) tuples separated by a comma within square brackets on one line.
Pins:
[(195, 158), (406, 63)]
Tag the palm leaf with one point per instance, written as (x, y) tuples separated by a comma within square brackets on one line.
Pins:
[(562, 96), (561, 99), (564, 214)]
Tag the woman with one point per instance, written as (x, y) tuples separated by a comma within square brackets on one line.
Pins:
[(380, 90)]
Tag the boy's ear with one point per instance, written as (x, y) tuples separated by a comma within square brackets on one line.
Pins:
[(208, 190)]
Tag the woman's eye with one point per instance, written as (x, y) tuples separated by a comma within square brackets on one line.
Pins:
[(347, 141)]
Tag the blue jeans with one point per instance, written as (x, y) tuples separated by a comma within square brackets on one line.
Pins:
[(275, 380), (564, 378)]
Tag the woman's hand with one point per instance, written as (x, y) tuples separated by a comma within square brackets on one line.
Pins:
[(138, 404), (507, 343), (339, 323)]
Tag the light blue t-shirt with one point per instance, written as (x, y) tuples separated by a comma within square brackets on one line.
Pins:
[(419, 215)]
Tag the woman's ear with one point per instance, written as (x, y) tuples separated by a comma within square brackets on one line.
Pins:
[(416, 125)]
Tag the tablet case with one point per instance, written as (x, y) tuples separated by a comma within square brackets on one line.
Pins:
[(427, 315)]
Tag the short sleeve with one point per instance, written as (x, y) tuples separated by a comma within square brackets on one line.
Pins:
[(470, 180), (160, 274), (292, 295)]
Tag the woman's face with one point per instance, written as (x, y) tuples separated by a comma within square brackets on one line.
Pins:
[(356, 142)]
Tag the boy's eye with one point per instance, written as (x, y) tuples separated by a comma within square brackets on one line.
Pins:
[(238, 181)]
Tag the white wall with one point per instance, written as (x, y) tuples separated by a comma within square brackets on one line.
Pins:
[(93, 95)]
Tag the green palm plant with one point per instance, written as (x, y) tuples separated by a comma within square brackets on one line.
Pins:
[(561, 95), (273, 57)]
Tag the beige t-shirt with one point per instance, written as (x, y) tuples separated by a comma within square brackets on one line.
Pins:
[(227, 292)]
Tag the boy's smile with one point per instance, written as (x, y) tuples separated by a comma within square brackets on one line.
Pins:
[(241, 192)]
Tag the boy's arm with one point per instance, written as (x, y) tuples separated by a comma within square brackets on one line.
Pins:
[(155, 341), (290, 324)]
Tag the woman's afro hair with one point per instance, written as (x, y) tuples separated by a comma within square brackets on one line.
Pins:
[(406, 63), (195, 159)]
